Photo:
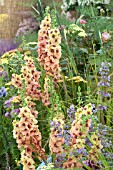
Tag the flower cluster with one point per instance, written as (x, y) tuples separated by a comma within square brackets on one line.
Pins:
[(103, 84), (73, 161), (27, 134), (80, 126), (53, 49), (104, 71), (7, 103), (70, 119), (68, 154), (71, 143), (31, 105), (28, 25), (75, 29), (71, 113), (67, 4), (7, 106), (12, 112), (43, 39), (49, 50), (78, 131), (95, 148), (26, 131), (31, 77), (104, 134), (3, 92)]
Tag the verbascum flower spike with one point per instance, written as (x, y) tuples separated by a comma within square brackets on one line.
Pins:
[(56, 136), (43, 39), (45, 95), (31, 106), (53, 49), (78, 131), (49, 49), (27, 135), (96, 147), (31, 76), (27, 161), (81, 125)]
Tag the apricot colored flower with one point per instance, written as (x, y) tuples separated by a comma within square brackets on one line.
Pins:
[(16, 80)]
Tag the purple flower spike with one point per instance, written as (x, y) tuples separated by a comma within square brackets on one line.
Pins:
[(103, 84)]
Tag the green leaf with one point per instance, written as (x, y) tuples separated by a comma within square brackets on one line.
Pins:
[(84, 50)]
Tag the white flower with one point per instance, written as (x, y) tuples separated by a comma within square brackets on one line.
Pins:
[(67, 3), (105, 37), (72, 2)]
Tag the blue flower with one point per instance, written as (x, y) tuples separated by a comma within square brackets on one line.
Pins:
[(104, 94), (103, 84), (71, 113), (2, 89), (3, 92), (101, 107)]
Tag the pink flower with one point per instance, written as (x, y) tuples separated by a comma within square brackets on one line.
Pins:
[(105, 37), (82, 21), (68, 15), (62, 27)]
